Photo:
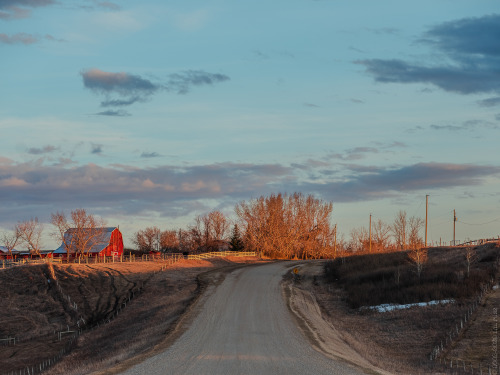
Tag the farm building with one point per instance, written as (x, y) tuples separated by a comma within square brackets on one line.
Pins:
[(100, 242), (4, 253)]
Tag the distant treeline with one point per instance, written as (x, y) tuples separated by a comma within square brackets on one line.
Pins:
[(276, 226), (282, 226)]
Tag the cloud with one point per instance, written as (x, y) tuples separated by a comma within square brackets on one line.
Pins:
[(27, 39), (490, 102), (119, 113), (19, 38), (182, 82), (357, 101), (105, 5), (170, 191), (123, 84), (128, 189), (17, 9), (96, 148), (467, 125), (471, 47), (354, 153), (134, 88), (108, 5), (150, 155), (43, 150), (311, 105), (120, 102), (375, 183)]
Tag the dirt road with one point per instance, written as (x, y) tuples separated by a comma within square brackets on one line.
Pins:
[(243, 327)]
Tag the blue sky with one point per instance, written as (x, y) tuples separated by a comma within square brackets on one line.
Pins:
[(152, 112)]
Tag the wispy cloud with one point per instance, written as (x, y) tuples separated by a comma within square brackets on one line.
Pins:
[(474, 67), (16, 9), (19, 38), (355, 153), (119, 113), (490, 102), (26, 39), (184, 81), (311, 105), (43, 150), (467, 125), (108, 5), (133, 88), (150, 155), (96, 148)]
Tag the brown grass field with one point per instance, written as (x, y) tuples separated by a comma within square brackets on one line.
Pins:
[(34, 310), (401, 341)]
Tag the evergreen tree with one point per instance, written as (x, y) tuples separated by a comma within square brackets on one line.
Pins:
[(236, 241)]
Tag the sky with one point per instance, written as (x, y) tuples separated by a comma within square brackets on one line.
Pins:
[(153, 112)]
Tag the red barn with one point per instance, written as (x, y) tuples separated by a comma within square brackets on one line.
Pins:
[(108, 242)]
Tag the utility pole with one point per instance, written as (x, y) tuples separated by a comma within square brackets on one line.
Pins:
[(335, 242), (454, 221), (370, 233), (426, 210)]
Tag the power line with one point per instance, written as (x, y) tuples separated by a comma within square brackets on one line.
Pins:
[(488, 222)]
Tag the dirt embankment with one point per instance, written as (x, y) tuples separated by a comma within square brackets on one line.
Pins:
[(397, 341), (38, 302)]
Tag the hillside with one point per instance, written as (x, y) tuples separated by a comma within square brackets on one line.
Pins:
[(124, 309), (404, 340)]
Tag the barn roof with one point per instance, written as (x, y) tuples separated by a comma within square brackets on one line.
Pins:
[(97, 247), (3, 249)]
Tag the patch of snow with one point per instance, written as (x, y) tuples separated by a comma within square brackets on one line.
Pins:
[(495, 287), (391, 306)]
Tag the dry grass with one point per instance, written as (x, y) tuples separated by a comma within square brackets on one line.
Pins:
[(33, 308), (401, 340), (371, 280)]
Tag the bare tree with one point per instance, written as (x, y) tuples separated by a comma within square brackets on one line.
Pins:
[(253, 220), (414, 226), (30, 233), (209, 231), (218, 226), (184, 240), (406, 231), (359, 239), (419, 258), (287, 226), (470, 258), (399, 228), (10, 240), (79, 235), (147, 239), (169, 241), (381, 234)]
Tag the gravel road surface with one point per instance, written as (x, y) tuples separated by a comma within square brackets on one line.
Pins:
[(244, 327)]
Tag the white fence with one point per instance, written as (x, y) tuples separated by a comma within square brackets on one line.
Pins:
[(75, 331), (7, 263), (222, 254)]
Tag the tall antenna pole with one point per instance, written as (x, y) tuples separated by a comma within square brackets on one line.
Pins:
[(426, 210), (370, 233), (335, 242), (454, 221)]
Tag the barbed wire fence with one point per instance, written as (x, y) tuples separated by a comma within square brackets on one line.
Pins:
[(458, 365), (81, 326)]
